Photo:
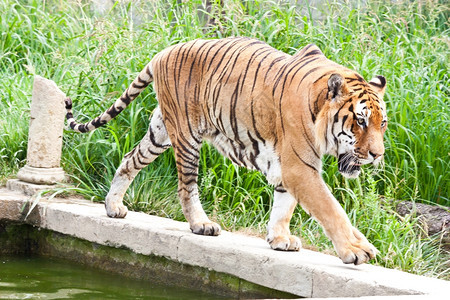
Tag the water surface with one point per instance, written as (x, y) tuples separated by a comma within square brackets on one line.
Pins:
[(46, 278)]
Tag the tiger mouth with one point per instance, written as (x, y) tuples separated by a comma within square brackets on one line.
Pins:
[(349, 165)]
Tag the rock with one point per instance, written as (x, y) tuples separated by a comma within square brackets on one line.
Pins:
[(436, 219)]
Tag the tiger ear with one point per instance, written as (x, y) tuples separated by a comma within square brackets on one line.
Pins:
[(337, 87), (378, 84)]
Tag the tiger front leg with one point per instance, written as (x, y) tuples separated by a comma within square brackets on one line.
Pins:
[(278, 234), (187, 158), (315, 198)]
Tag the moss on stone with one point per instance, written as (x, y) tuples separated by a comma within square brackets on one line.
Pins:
[(17, 239)]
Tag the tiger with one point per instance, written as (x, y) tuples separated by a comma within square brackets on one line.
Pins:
[(264, 110)]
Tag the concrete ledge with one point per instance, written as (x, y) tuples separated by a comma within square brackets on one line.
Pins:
[(305, 273)]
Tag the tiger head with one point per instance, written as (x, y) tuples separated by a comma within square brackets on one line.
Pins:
[(352, 122)]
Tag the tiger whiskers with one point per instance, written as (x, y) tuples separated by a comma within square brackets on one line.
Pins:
[(348, 163), (378, 167)]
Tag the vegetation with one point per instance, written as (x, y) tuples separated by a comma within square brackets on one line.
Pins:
[(93, 57)]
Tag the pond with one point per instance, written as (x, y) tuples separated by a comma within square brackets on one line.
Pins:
[(34, 277)]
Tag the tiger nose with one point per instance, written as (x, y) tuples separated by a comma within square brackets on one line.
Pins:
[(375, 155)]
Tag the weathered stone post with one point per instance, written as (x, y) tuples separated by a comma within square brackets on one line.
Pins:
[(44, 138)]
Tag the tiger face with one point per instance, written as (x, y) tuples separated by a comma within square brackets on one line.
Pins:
[(358, 122)]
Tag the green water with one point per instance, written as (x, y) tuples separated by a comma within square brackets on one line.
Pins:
[(46, 278)]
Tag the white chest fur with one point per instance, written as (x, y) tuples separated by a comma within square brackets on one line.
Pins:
[(251, 154)]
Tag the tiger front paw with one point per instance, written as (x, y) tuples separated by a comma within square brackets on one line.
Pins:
[(357, 250), (285, 243), (206, 228), (116, 210)]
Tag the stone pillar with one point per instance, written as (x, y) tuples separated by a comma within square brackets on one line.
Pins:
[(44, 136)]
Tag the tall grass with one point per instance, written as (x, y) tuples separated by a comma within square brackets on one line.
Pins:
[(94, 57)]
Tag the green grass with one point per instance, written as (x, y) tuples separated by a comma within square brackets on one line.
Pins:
[(94, 57)]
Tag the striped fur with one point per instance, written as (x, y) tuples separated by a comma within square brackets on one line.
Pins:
[(264, 110)]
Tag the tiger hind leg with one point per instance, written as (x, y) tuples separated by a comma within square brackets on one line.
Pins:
[(278, 233), (155, 142), (187, 158)]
